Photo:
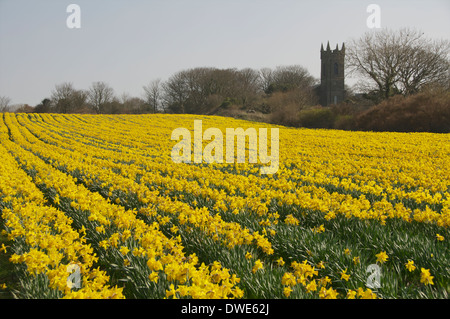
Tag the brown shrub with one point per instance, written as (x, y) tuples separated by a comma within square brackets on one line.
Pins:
[(423, 112), (286, 114)]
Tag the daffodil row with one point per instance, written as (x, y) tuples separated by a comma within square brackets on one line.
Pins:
[(121, 229), (283, 190), (93, 167), (373, 182), (44, 241), (307, 276)]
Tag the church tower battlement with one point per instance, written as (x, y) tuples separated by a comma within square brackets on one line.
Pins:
[(332, 89)]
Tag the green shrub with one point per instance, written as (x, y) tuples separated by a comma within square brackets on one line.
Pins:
[(317, 118)]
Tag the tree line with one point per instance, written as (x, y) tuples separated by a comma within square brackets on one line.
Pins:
[(201, 90)]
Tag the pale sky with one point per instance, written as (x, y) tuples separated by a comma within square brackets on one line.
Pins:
[(130, 43)]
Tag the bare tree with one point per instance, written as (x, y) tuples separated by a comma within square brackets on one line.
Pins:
[(65, 99), (175, 93), (187, 90), (62, 97), (397, 62), (426, 64), (286, 78), (79, 100), (5, 104), (249, 85), (204, 90), (100, 95), (132, 104), (266, 78), (201, 90), (153, 94)]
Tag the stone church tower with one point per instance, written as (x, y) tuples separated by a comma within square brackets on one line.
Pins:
[(332, 75)]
